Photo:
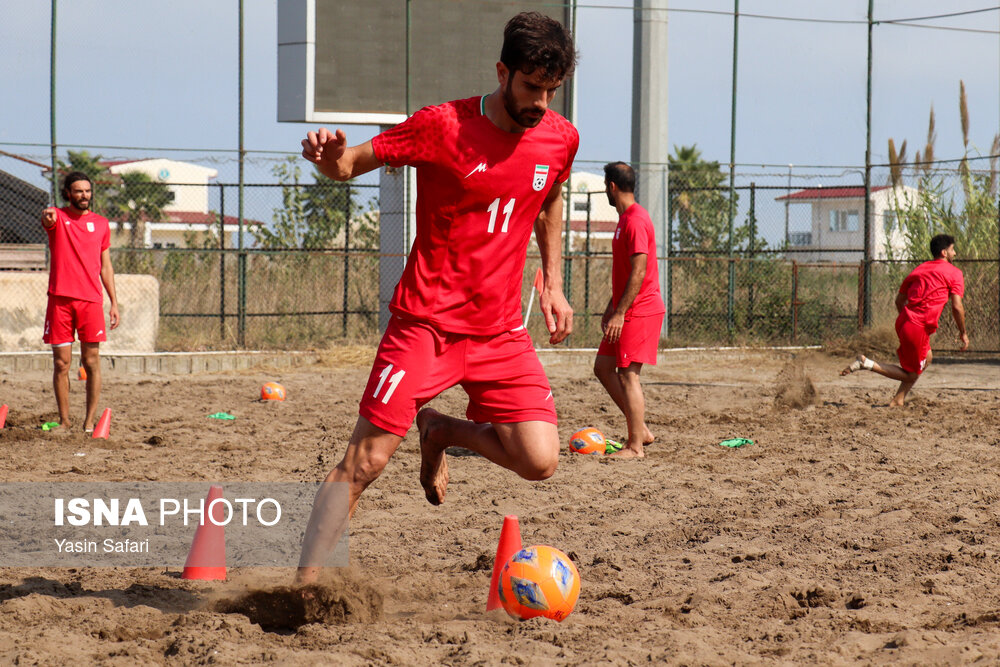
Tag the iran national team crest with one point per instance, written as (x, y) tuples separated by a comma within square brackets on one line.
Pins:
[(541, 176)]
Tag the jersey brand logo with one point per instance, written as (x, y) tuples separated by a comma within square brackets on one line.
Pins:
[(541, 175), (100, 332), (481, 167)]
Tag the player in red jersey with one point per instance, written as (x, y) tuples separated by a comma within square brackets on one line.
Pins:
[(489, 170), (920, 300), (80, 263), (634, 314)]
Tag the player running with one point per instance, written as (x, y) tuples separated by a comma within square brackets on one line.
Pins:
[(920, 300), (489, 170)]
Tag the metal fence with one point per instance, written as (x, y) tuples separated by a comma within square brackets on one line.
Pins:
[(298, 266)]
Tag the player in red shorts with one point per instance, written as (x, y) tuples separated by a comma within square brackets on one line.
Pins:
[(920, 300), (489, 170), (634, 315), (80, 263)]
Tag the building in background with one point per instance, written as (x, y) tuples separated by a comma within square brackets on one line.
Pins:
[(187, 216), (22, 239), (837, 226)]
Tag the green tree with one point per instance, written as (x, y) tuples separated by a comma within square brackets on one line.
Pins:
[(312, 216), (137, 200), (969, 213), (698, 201)]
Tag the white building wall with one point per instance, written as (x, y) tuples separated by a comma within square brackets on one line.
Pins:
[(184, 178)]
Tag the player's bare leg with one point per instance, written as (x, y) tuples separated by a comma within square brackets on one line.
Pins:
[(433, 462), (530, 449), (906, 385), (635, 412), (62, 359), (90, 356), (606, 371), (892, 371), (368, 452)]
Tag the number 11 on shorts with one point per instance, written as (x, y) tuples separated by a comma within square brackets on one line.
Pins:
[(393, 382)]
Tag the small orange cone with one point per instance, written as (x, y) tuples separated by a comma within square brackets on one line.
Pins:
[(207, 559), (103, 428), (81, 374), (510, 544), (3, 415)]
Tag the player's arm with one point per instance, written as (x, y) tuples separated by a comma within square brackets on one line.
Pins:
[(108, 278), (49, 217), (334, 158), (613, 329), (548, 233), (900, 301), (958, 313)]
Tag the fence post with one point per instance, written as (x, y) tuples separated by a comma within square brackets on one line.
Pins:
[(586, 267), (347, 253), (795, 301), (222, 263), (862, 290), (670, 265), (753, 236)]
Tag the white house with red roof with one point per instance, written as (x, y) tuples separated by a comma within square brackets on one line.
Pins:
[(188, 211), (837, 230)]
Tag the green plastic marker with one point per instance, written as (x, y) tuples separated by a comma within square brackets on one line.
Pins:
[(48, 426), (222, 415), (733, 443)]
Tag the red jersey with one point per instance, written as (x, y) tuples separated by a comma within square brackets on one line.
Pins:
[(75, 244), (927, 290), (479, 191), (634, 235)]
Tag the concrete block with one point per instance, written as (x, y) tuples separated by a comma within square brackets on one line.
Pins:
[(24, 295)]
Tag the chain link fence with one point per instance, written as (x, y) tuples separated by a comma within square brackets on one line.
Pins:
[(299, 266)]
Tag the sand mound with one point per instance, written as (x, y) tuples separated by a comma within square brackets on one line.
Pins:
[(289, 608), (793, 388)]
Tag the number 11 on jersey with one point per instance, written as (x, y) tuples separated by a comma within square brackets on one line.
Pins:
[(393, 382), (507, 210)]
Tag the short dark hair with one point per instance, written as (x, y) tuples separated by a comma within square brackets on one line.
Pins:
[(532, 41), (621, 175), (940, 243), (71, 178)]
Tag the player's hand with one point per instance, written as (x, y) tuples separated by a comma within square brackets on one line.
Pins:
[(325, 149), (113, 316), (613, 328), (49, 217), (558, 314), (965, 341)]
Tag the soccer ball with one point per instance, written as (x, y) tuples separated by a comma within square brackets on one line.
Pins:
[(587, 441), (272, 391), (539, 581)]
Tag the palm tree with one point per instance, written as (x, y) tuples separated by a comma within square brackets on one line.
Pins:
[(697, 200)]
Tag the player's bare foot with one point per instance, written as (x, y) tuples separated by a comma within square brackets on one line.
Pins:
[(861, 363), (433, 463), (649, 438), (628, 452), (305, 576)]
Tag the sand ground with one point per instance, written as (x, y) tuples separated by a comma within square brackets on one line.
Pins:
[(849, 532)]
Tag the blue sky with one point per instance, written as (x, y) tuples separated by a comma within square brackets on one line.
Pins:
[(163, 75)]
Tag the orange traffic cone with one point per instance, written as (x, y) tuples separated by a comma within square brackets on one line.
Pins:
[(207, 559), (510, 544), (81, 374), (3, 415), (103, 428)]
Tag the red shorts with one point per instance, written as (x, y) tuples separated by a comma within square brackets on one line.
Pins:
[(638, 343), (416, 362), (65, 315), (914, 345)]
